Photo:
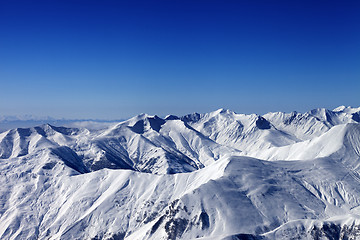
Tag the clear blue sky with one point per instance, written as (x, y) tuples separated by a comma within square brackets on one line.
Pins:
[(115, 59)]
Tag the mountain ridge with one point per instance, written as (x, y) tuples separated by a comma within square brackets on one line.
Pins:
[(219, 175)]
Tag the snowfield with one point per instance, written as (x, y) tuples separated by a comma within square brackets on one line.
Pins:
[(219, 175)]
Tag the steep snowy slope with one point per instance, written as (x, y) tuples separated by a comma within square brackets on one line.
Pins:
[(244, 132), (152, 144), (143, 143), (313, 123), (341, 140), (23, 141), (236, 195), (211, 176)]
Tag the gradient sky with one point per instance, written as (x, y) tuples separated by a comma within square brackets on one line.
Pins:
[(115, 59)]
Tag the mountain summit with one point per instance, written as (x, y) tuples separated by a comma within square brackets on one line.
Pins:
[(218, 175)]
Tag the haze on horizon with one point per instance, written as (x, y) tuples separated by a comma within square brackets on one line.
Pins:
[(116, 59)]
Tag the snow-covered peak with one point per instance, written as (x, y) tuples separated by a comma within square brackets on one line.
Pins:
[(342, 140), (340, 108), (193, 117), (147, 123), (171, 117), (348, 109), (312, 123), (222, 111), (212, 176), (139, 124)]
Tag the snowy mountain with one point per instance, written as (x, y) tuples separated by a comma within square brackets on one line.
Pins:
[(219, 175), (10, 122)]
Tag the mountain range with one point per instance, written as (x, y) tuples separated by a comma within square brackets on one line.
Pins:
[(218, 175)]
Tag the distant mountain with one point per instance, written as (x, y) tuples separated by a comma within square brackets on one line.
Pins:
[(10, 122), (218, 175)]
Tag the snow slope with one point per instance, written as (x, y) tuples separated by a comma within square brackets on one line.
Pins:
[(219, 175), (342, 140), (240, 131), (143, 143)]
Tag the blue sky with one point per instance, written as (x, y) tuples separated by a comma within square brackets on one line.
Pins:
[(115, 59)]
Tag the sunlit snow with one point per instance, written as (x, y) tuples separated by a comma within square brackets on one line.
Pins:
[(219, 175)]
